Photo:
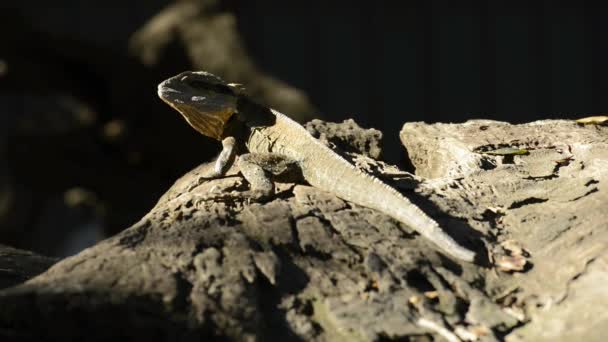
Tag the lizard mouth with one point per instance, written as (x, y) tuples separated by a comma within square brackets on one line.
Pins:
[(163, 91)]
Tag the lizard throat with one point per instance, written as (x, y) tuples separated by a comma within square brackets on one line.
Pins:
[(211, 124)]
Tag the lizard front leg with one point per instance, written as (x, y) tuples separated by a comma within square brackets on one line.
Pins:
[(221, 165), (225, 159), (257, 169)]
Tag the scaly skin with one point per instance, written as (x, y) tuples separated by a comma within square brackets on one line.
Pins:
[(218, 110)]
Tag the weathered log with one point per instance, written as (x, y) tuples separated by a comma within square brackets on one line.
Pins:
[(305, 265)]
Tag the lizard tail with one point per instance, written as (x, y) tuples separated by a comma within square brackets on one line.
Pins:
[(370, 192), (332, 173), (428, 228), (373, 193)]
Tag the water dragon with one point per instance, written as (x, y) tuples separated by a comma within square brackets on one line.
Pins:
[(267, 142)]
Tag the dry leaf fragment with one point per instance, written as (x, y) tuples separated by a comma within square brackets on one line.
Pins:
[(564, 161), (471, 333), (431, 294), (507, 151), (516, 312), (513, 257), (497, 210), (514, 247), (593, 120), (511, 263), (438, 328), (415, 300)]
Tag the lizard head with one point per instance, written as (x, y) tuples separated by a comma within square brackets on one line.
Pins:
[(203, 99)]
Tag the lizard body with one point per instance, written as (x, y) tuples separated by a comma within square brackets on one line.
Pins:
[(219, 110)]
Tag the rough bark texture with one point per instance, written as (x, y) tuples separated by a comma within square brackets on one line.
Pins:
[(205, 262), (552, 202)]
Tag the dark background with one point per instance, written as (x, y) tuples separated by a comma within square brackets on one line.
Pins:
[(86, 148), (436, 61)]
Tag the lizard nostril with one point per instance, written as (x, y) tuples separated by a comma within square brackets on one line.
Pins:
[(166, 90)]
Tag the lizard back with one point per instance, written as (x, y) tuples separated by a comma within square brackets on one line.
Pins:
[(326, 170)]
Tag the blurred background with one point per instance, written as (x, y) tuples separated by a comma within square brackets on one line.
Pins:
[(86, 147)]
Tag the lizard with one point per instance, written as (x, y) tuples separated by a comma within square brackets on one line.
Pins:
[(264, 142)]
